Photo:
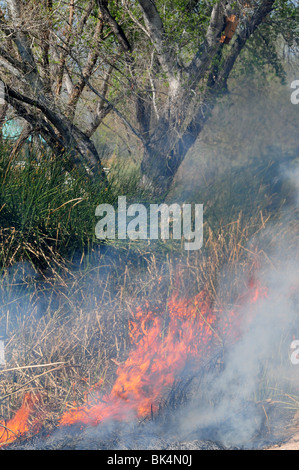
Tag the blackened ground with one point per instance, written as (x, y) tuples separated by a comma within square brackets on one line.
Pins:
[(93, 439), (277, 428)]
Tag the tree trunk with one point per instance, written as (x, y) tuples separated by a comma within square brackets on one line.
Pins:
[(187, 107), (61, 135), (170, 142), (184, 117), (3, 112)]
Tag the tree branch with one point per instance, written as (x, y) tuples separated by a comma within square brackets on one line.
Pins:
[(220, 82), (21, 40), (116, 28), (63, 55), (155, 28), (250, 25), (103, 109), (110, 105), (117, 112), (204, 56), (86, 73)]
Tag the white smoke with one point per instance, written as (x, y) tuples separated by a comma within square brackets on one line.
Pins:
[(225, 407), (229, 406)]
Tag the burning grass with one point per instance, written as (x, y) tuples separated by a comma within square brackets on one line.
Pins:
[(122, 332), (110, 342)]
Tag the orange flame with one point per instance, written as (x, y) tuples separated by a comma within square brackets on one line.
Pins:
[(162, 347), (160, 353), (163, 344), (19, 424)]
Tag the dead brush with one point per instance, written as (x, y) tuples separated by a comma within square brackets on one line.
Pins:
[(66, 337)]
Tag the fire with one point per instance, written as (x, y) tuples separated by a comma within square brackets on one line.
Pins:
[(161, 349), (163, 344), (19, 424)]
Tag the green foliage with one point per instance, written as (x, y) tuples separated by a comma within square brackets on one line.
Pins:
[(185, 23), (47, 215)]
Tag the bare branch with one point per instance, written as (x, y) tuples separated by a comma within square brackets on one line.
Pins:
[(86, 73), (24, 48), (117, 112), (249, 27), (204, 56), (103, 108), (157, 34), (140, 26), (63, 55), (116, 28), (82, 149)]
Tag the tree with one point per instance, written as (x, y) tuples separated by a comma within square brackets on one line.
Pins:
[(38, 73), (159, 66), (195, 83)]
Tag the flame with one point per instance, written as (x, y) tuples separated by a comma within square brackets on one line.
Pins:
[(161, 349), (19, 424), (162, 345)]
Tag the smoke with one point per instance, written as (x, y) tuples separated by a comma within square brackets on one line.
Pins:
[(224, 408), (291, 173), (232, 415)]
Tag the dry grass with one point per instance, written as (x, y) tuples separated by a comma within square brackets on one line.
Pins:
[(65, 335), (67, 324)]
